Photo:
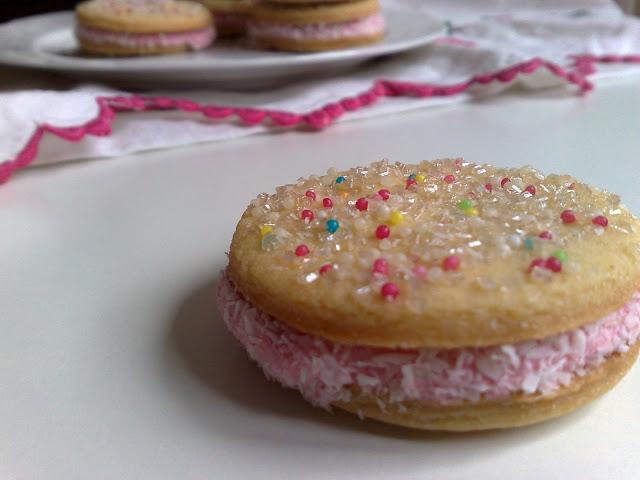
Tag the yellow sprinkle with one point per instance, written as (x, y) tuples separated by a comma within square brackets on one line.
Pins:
[(420, 178), (265, 229), (471, 212), (396, 218)]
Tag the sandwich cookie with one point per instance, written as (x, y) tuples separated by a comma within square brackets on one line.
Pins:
[(445, 295), (230, 16), (142, 27), (316, 26)]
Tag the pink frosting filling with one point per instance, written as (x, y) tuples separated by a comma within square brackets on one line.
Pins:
[(323, 371), (196, 39), (371, 25)]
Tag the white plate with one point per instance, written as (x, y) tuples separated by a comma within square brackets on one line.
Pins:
[(47, 42)]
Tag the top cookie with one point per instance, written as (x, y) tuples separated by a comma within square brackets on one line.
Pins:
[(143, 16), (439, 254), (299, 13)]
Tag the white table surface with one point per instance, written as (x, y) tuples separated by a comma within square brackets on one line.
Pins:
[(114, 362)]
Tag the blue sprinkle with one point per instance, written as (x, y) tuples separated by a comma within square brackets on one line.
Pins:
[(412, 176), (332, 226), (340, 179), (528, 243)]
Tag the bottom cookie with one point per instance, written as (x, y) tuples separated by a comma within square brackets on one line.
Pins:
[(110, 50), (516, 411), (291, 45)]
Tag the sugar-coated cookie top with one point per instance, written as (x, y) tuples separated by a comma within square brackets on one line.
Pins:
[(143, 15), (445, 253)]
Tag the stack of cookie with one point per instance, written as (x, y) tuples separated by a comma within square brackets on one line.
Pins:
[(142, 27), (230, 16), (316, 25)]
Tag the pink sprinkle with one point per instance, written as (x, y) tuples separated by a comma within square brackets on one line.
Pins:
[(381, 266), (449, 179), (327, 203), (545, 235), (420, 271), (530, 189), (452, 262), (362, 204), (302, 250), (601, 221), (411, 182), (310, 194), (504, 181), (325, 268), (384, 194), (306, 215), (390, 291), (553, 264), (382, 231), (536, 263), (488, 187), (568, 216)]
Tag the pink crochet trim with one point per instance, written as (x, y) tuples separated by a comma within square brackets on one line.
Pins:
[(317, 119)]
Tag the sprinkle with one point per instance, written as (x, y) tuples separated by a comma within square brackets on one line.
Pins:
[(452, 262), (332, 226), (389, 291), (327, 202), (325, 268), (449, 179), (382, 232), (265, 229), (553, 264), (568, 216), (269, 242), (420, 178), (302, 250), (362, 204), (528, 243), (536, 263), (306, 215), (545, 235), (396, 218), (465, 204), (310, 194), (412, 176), (410, 183), (381, 266), (488, 187), (340, 179), (601, 221), (471, 212), (420, 271), (560, 255), (530, 189), (504, 181), (384, 194)]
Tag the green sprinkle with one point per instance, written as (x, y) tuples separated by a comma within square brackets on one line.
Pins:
[(560, 255), (269, 242), (465, 204)]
